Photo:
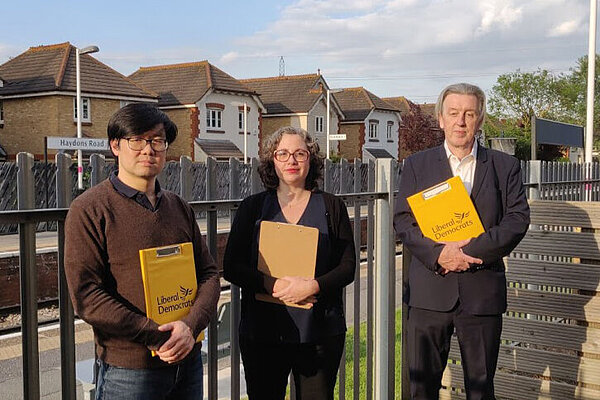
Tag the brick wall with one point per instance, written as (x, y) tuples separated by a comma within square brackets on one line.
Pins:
[(27, 121), (183, 145), (271, 124), (351, 148)]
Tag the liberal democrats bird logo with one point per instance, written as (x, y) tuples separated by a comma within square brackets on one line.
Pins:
[(460, 216), (185, 292)]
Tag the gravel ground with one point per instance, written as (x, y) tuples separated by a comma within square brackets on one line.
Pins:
[(13, 320)]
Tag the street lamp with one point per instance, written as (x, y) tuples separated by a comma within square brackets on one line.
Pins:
[(85, 50), (327, 137)]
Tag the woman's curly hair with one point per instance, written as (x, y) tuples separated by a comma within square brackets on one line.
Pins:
[(266, 166)]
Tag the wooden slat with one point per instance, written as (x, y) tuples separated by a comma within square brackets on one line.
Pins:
[(566, 213), (561, 244), (562, 305), (552, 365), (552, 334), (515, 387), (537, 272)]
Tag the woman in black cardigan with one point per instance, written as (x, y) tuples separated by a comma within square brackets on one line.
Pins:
[(276, 339)]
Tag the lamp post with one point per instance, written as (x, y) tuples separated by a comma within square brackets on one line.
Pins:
[(245, 133), (327, 129), (78, 52)]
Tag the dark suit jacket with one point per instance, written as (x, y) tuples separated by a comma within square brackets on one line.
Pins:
[(499, 197)]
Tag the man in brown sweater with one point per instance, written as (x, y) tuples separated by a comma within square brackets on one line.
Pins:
[(105, 229)]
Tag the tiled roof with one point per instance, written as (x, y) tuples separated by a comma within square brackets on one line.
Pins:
[(357, 103), (379, 153), (287, 94), (186, 83), (52, 68), (400, 102), (219, 148)]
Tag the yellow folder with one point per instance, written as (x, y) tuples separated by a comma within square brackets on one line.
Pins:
[(286, 250), (169, 278), (445, 212)]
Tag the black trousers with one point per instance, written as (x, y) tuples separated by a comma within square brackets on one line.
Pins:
[(428, 345), (314, 365)]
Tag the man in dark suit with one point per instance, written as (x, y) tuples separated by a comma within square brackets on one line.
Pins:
[(460, 285)]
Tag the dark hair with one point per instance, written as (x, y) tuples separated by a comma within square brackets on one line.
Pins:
[(266, 167), (137, 118)]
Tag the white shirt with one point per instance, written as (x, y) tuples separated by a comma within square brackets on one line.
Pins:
[(464, 168)]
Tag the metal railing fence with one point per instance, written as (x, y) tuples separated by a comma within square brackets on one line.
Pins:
[(375, 206)]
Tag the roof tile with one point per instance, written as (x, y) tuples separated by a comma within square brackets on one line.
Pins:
[(186, 83)]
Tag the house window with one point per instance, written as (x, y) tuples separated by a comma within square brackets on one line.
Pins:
[(1, 113), (213, 118), (241, 120), (319, 124), (85, 106), (390, 127), (125, 102), (373, 126)]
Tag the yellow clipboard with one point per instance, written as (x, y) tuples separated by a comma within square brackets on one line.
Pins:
[(169, 278), (286, 250), (445, 212)]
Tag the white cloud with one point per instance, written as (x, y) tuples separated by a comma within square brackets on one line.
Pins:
[(230, 57), (565, 28), (437, 40)]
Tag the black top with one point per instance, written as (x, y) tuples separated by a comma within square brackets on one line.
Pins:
[(335, 268)]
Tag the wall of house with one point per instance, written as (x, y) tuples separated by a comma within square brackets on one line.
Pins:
[(187, 130), (390, 145), (28, 120), (100, 112), (351, 148), (320, 110), (229, 122)]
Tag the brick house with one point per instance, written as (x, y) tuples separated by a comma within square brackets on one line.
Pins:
[(371, 125), (207, 105), (299, 101), (37, 97)]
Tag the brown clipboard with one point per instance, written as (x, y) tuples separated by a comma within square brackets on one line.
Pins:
[(286, 250)]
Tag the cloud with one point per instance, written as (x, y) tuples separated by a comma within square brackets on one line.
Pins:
[(565, 28), (228, 58), (433, 39)]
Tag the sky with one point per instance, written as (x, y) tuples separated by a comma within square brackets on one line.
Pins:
[(410, 48)]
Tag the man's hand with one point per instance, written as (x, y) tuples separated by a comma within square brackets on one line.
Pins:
[(294, 289), (452, 258), (179, 344)]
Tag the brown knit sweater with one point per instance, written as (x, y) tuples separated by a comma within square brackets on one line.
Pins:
[(104, 232)]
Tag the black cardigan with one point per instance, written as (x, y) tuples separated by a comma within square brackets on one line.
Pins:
[(240, 267)]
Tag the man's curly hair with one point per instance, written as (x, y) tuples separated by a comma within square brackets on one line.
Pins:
[(266, 166)]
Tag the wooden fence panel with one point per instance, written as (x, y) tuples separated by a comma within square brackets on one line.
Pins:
[(551, 336)]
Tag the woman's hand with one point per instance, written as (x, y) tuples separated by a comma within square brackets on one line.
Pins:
[(294, 289)]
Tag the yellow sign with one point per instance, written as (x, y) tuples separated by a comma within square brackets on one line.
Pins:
[(445, 212), (169, 278)]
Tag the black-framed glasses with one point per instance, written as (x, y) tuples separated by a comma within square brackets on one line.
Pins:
[(299, 155), (138, 143)]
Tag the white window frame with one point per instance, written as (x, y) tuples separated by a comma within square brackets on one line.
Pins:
[(389, 130), (319, 123), (214, 118), (373, 130), (86, 103)]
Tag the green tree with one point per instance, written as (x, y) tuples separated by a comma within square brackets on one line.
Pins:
[(572, 91)]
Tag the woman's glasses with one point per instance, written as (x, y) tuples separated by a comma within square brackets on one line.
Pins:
[(284, 155)]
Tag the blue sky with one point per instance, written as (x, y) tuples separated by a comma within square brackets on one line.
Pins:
[(411, 48)]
